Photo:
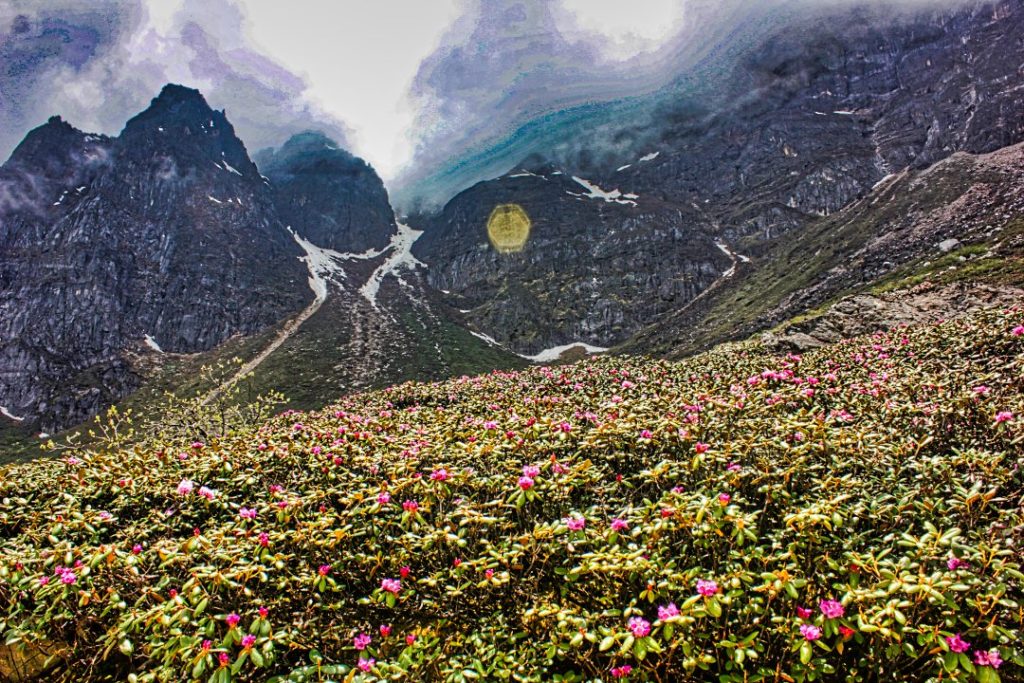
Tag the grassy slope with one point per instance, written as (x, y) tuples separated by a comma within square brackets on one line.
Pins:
[(768, 292)]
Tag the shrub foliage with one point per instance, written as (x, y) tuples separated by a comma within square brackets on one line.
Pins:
[(854, 514)]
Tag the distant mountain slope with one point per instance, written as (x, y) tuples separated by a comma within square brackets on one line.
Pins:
[(327, 195)]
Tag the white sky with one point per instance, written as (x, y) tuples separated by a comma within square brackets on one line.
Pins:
[(359, 57)]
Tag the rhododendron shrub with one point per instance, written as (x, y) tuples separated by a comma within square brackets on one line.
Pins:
[(615, 519)]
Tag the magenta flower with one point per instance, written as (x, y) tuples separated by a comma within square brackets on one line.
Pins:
[(361, 641), (43, 580), (1017, 331), (324, 569), (810, 632), (706, 587), (957, 644), (666, 612), (385, 630), (619, 524), (439, 475), (224, 659), (639, 627), (525, 483), (832, 609), (575, 523), (410, 506), (404, 572), (366, 664), (391, 586), (136, 549), (185, 487), (646, 434), (1003, 416), (701, 447), (207, 493), (68, 577), (233, 620), (263, 612), (733, 467), (248, 641), (621, 671), (531, 471), (207, 645), (803, 612), (383, 498), (263, 539), (724, 498), (988, 658), (247, 513), (955, 563)]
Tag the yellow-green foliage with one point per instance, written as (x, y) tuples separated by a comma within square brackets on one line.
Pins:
[(737, 517)]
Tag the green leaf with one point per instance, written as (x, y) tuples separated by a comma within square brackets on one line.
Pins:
[(606, 644)]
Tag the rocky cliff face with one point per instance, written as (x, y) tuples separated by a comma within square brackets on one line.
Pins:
[(593, 265), (328, 196), (167, 231), (805, 124)]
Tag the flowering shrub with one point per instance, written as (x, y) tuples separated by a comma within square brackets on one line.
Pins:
[(617, 519)]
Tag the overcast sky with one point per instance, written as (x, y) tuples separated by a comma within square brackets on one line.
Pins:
[(407, 84), (348, 66)]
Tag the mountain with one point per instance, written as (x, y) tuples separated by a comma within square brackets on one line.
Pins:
[(164, 233), (826, 111), (327, 195)]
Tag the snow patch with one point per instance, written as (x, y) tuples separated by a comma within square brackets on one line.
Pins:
[(650, 157), (322, 264), (228, 167), (734, 256), (595, 192), (6, 413), (151, 343), (214, 199), (844, 112), (554, 353), (523, 173), (622, 168), (401, 257)]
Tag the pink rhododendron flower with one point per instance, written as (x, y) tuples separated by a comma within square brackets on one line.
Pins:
[(846, 631), (810, 632), (621, 671), (525, 483), (639, 627), (832, 609), (957, 644), (263, 539), (224, 659), (361, 641), (324, 569), (803, 612), (666, 612), (393, 586), (136, 549), (646, 434), (383, 498), (207, 645), (701, 447), (575, 523), (706, 587), (247, 513), (954, 563), (439, 475), (404, 572), (207, 493), (531, 471), (233, 620), (385, 630), (410, 506), (619, 524), (1017, 331), (185, 487), (733, 467), (724, 498), (1003, 416), (988, 658), (43, 580), (410, 639), (366, 664), (248, 641)]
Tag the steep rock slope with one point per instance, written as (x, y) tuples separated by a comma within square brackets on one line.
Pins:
[(330, 197), (166, 233)]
